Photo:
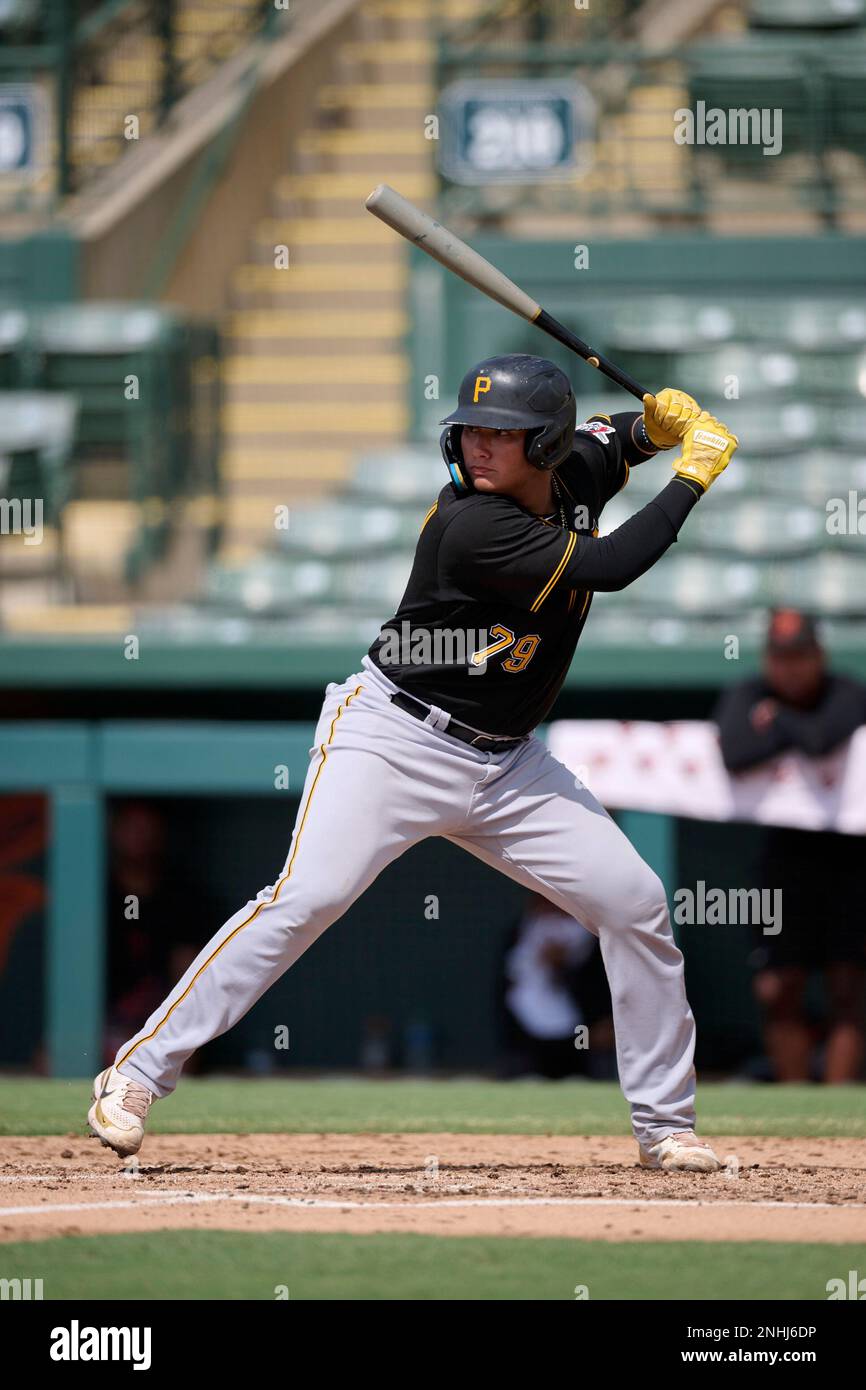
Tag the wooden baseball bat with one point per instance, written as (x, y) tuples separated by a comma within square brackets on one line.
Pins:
[(419, 228)]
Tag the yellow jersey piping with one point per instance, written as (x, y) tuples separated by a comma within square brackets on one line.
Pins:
[(569, 547), (253, 915)]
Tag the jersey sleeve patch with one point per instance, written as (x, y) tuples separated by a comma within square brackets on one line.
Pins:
[(601, 431)]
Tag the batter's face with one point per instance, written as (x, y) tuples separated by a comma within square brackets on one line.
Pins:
[(495, 459)]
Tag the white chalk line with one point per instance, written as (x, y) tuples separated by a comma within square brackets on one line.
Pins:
[(167, 1200), (55, 1177), (432, 1204), (63, 1175)]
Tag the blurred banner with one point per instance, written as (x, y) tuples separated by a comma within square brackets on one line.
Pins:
[(676, 769)]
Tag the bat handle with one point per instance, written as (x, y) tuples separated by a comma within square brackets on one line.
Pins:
[(595, 359), (610, 369)]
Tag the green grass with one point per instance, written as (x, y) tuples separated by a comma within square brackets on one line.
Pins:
[(39, 1106), (230, 1265)]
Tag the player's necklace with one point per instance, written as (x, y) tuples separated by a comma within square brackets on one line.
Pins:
[(558, 493)]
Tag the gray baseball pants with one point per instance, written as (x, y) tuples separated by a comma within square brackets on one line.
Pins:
[(380, 780)]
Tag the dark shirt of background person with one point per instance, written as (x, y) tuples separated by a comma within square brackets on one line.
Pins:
[(797, 704)]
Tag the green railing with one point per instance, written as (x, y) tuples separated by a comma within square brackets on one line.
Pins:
[(98, 77), (550, 22), (639, 156)]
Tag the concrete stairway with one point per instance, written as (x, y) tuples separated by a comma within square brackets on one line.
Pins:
[(123, 80), (315, 364)]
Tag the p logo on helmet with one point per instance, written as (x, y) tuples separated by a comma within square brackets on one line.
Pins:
[(515, 391)]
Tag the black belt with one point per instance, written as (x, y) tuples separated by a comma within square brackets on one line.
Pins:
[(486, 743)]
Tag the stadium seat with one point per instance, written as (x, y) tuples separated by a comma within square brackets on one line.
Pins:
[(95, 350), (604, 403), (814, 476), (742, 479), (343, 625), (17, 15), (37, 437), (644, 482), (102, 328), (844, 632), (410, 476), (834, 374), (624, 505), (104, 351), (271, 586), (341, 528), (668, 326), (757, 528), (847, 114), (846, 424), (788, 427), (618, 624), (755, 372), (669, 323), (754, 80), (831, 584), (806, 14), (816, 325), (374, 586), (13, 336), (690, 585)]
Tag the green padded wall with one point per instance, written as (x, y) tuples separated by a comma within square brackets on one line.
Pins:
[(40, 269)]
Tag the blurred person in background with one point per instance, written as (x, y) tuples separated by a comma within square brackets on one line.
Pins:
[(555, 983), (797, 703), (147, 916), (23, 900)]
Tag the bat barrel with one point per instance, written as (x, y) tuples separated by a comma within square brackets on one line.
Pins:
[(428, 234)]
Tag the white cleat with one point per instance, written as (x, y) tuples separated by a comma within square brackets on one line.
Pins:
[(118, 1112), (680, 1151)]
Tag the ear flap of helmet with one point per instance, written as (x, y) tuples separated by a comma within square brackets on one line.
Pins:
[(551, 445), (531, 446), (449, 443)]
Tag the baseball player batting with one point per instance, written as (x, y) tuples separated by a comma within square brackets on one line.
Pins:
[(413, 745)]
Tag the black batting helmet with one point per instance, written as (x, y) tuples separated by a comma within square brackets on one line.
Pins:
[(513, 392)]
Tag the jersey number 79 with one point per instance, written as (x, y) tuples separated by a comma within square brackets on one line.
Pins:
[(522, 649)]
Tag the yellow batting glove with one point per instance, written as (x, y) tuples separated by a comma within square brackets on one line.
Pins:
[(667, 416), (707, 450)]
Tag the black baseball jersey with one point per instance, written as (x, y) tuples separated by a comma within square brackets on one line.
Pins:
[(498, 597)]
